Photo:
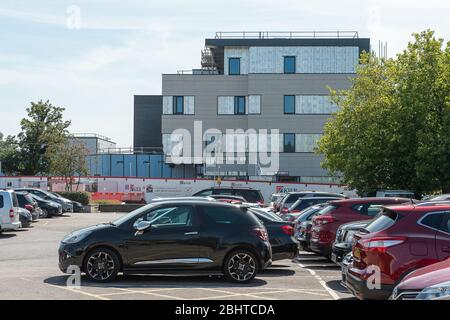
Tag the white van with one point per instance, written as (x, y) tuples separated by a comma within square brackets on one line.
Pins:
[(9, 214)]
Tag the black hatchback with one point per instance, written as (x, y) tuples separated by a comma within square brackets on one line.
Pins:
[(187, 237)]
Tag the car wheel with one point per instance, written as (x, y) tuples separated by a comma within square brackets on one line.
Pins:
[(240, 266), (44, 213), (101, 265)]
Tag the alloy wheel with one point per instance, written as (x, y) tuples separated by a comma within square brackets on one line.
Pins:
[(241, 267), (100, 266)]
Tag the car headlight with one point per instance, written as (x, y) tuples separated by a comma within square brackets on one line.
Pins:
[(75, 237), (437, 291)]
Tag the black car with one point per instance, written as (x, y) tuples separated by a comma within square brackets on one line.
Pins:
[(191, 237), (49, 208), (292, 197), (281, 234), (76, 206), (250, 195), (344, 237)]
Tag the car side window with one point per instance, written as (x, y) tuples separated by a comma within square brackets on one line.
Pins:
[(438, 221), (168, 217), (367, 209), (223, 191), (1, 202)]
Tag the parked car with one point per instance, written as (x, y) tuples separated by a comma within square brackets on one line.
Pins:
[(304, 235), (77, 206), (395, 194), (48, 208), (346, 262), (65, 203), (427, 283), (281, 234), (402, 239), (26, 201), (303, 203), (292, 197), (193, 237), (25, 217), (249, 194), (441, 197), (275, 198), (326, 223), (306, 215), (9, 215)]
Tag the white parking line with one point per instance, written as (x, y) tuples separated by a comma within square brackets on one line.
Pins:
[(332, 293)]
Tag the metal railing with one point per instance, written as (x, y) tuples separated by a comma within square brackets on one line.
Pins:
[(286, 34), (131, 150), (90, 135)]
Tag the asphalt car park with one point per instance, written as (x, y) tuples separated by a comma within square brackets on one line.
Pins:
[(29, 270)]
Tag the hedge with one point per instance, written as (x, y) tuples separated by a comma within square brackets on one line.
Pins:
[(81, 197)]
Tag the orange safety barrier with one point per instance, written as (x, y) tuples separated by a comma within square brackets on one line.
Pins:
[(118, 196)]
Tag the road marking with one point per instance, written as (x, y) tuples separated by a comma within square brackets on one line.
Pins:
[(79, 291), (233, 293), (322, 282), (153, 293)]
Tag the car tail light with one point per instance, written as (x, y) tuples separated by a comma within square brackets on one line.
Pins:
[(261, 233), (29, 207), (289, 230), (11, 213), (284, 210), (380, 244), (321, 220)]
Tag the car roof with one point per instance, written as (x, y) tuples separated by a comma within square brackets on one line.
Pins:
[(182, 198), (370, 199), (419, 208), (312, 192)]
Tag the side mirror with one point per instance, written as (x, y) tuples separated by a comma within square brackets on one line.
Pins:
[(142, 226)]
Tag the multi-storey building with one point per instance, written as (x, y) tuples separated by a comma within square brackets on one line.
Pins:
[(254, 81)]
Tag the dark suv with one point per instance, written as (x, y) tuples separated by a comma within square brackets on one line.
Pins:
[(292, 197), (193, 237), (250, 195)]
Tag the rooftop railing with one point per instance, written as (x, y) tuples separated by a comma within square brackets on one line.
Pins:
[(90, 135), (286, 34)]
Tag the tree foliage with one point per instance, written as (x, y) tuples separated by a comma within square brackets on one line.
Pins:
[(392, 127), (67, 159), (9, 155), (43, 128)]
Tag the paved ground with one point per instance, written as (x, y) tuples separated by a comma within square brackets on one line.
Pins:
[(29, 270)]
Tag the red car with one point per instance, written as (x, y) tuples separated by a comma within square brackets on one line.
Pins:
[(327, 222), (400, 240), (431, 282)]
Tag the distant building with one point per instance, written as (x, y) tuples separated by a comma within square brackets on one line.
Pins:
[(95, 143)]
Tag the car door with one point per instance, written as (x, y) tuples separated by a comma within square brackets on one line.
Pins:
[(443, 238), (170, 243)]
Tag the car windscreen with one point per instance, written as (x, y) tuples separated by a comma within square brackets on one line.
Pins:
[(125, 218), (385, 220), (268, 215), (227, 215), (291, 198)]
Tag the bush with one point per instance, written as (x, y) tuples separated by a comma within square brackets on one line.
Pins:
[(81, 197), (100, 202)]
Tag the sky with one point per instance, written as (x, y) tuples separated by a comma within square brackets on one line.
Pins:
[(93, 56)]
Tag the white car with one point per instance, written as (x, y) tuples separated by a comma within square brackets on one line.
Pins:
[(9, 213)]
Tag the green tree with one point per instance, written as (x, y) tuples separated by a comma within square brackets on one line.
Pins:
[(392, 127), (43, 128), (68, 159), (9, 155)]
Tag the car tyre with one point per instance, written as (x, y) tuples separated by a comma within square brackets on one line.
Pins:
[(44, 214), (101, 265), (240, 266)]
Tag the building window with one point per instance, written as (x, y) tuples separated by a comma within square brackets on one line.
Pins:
[(234, 66), (289, 64), (289, 104), (307, 142), (289, 142), (178, 107), (239, 105)]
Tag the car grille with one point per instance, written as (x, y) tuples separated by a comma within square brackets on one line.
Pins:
[(406, 295)]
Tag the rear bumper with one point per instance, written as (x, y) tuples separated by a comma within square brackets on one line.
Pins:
[(11, 226), (322, 249), (359, 288), (285, 251)]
